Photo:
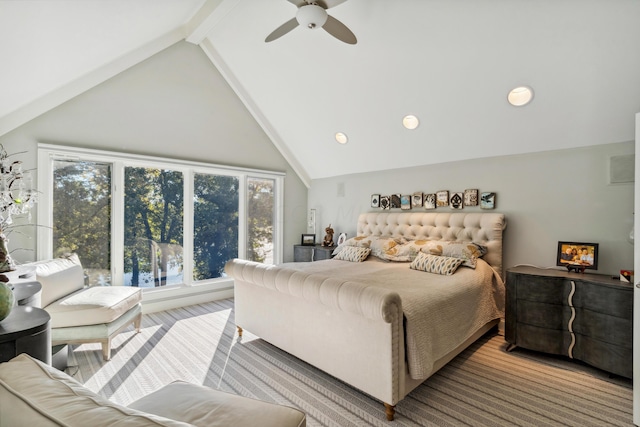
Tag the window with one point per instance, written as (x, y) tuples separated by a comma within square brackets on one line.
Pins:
[(152, 222), (215, 224), (153, 227), (82, 215)]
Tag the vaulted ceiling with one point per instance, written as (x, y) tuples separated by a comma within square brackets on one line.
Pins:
[(449, 62)]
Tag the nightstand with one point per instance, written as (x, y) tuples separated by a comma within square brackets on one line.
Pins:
[(303, 253), (26, 330), (588, 317)]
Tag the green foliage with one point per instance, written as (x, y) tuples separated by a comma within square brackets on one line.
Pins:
[(260, 219), (82, 212), (153, 223), (215, 231)]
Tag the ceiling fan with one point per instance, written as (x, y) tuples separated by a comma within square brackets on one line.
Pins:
[(313, 14)]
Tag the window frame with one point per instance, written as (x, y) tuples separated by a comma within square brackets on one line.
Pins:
[(48, 153)]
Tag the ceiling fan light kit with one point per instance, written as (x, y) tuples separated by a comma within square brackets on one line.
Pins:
[(313, 14)]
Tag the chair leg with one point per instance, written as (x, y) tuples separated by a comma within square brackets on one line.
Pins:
[(137, 322), (106, 349)]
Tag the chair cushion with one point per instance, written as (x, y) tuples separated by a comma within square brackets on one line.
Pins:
[(204, 406), (37, 394), (59, 277), (93, 306)]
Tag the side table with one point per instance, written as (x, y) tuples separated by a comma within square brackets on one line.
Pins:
[(27, 293), (26, 330), (304, 253)]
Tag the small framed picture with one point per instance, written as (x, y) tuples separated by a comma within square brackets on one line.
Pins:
[(430, 201), (405, 202), (456, 200), (577, 256), (375, 200), (488, 200), (442, 198), (416, 200), (471, 197), (342, 238), (308, 240), (395, 201), (385, 202)]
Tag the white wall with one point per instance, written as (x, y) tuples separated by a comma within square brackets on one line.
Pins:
[(176, 105), (547, 197)]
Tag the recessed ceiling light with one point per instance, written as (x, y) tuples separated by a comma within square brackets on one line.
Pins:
[(410, 122), (341, 138), (520, 96)]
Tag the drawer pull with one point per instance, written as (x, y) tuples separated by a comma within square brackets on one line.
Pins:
[(573, 317)]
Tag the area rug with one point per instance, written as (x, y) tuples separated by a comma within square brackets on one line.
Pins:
[(483, 386)]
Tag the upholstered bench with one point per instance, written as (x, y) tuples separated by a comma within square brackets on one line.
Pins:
[(82, 314), (35, 394)]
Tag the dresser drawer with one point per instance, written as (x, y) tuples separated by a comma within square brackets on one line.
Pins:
[(609, 357), (544, 315), (552, 341), (604, 328), (540, 289), (604, 299)]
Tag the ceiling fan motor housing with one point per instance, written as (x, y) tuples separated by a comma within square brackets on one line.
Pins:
[(311, 16)]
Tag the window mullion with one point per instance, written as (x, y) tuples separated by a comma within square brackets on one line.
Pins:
[(242, 217), (117, 224), (45, 206), (187, 223)]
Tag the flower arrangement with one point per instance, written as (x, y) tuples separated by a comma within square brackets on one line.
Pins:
[(17, 197)]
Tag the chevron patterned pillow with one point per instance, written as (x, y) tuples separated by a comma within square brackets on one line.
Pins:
[(436, 264), (353, 254)]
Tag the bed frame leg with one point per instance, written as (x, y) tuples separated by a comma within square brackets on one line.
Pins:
[(390, 411), (239, 331)]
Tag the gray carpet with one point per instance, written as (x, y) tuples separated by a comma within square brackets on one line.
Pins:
[(483, 386)]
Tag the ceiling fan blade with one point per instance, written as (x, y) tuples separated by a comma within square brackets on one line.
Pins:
[(340, 31), (327, 4), (298, 3), (282, 30)]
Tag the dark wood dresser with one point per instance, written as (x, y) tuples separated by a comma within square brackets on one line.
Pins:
[(588, 317)]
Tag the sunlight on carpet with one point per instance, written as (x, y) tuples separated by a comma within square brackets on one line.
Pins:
[(483, 386)]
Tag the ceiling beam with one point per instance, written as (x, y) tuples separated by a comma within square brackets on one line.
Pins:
[(257, 114), (205, 20)]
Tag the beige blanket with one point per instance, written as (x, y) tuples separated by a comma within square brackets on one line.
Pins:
[(440, 311)]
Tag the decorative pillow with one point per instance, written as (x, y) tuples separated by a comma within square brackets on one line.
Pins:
[(359, 241), (469, 252), (436, 264), (390, 248), (353, 254)]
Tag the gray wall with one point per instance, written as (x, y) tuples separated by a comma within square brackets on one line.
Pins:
[(547, 197), (176, 105)]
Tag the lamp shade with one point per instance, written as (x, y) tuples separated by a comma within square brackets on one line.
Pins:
[(311, 16)]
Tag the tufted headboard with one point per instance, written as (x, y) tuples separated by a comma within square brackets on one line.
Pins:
[(482, 228)]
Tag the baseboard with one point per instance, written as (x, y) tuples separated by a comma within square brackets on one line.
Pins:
[(182, 297)]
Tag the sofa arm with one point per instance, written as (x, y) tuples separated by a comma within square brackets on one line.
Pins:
[(204, 406), (34, 393)]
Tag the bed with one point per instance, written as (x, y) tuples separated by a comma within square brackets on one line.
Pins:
[(379, 325)]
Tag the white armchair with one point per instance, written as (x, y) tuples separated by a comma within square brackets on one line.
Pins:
[(82, 314)]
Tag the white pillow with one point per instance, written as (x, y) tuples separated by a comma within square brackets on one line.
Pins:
[(353, 254)]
